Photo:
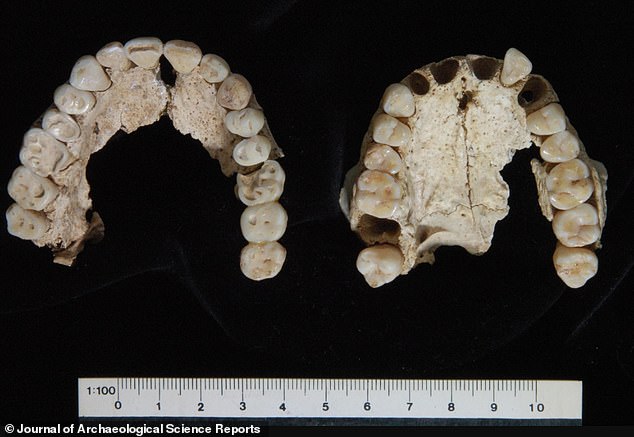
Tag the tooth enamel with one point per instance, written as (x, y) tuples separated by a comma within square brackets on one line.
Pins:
[(251, 151), (42, 153), (31, 191), (515, 68), (264, 185), (88, 75), (246, 122), (264, 222), (113, 56), (560, 147), (61, 125), (183, 55), (383, 158), (262, 260), (388, 130), (575, 265), (398, 101), (144, 51), (73, 101), (547, 121), (235, 92), (578, 226), (213, 68), (380, 264), (378, 193), (25, 224), (569, 184)]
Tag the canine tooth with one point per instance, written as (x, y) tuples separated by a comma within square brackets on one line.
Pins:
[(547, 121), (42, 153), (31, 191), (262, 260), (113, 56), (73, 101), (398, 101), (560, 147), (578, 226), (25, 224), (144, 51), (378, 193), (515, 68), (235, 92), (575, 265), (383, 158), (263, 185), (251, 151), (61, 125), (569, 184), (388, 130), (380, 264), (245, 122), (88, 75), (263, 222), (183, 55), (213, 68)]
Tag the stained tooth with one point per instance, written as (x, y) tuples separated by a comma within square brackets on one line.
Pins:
[(262, 260), (183, 55), (378, 193), (263, 222), (547, 121), (388, 130), (144, 51), (569, 184), (31, 191), (61, 125), (26, 224), (398, 101), (383, 158), (380, 264), (88, 75), (578, 226), (113, 56), (213, 68), (42, 153), (560, 147), (263, 185), (575, 265), (246, 122), (251, 151), (516, 67), (235, 92), (73, 101)]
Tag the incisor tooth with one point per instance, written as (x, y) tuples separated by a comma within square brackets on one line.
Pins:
[(380, 264), (113, 56), (88, 75), (235, 92), (25, 224), (144, 51), (183, 55), (70, 100), (31, 191), (560, 147), (42, 153), (569, 184), (213, 68), (378, 193), (578, 226), (383, 158), (251, 151), (61, 125), (575, 265), (388, 130), (263, 222), (547, 121), (398, 101), (515, 68), (263, 185), (262, 260), (246, 122)]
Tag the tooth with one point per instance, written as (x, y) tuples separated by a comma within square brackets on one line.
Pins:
[(246, 122), (42, 153), (264, 185), (264, 222), (569, 184), (251, 151), (88, 75), (183, 55), (575, 265), (144, 51), (113, 56), (31, 191), (61, 125), (235, 92), (213, 68), (73, 101), (377, 194), (515, 68), (560, 147), (380, 264), (262, 260), (388, 130), (398, 101), (383, 158), (25, 224), (547, 121), (578, 226)]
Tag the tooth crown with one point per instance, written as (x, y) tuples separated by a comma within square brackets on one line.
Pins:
[(263, 185), (88, 75), (31, 191), (264, 222)]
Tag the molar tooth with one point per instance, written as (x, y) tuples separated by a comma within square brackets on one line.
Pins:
[(251, 151), (73, 101), (262, 260), (398, 101), (26, 224), (31, 191), (245, 122), (388, 130), (560, 147), (88, 75), (578, 226), (61, 125), (42, 153), (144, 51), (575, 265), (569, 184), (183, 55), (377, 194), (263, 222), (515, 68), (113, 56), (383, 158), (213, 68), (380, 264), (263, 185), (547, 121), (235, 92)]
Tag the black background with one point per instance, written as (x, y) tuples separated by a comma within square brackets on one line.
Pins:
[(162, 294)]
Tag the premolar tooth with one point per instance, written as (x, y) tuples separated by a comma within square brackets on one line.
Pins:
[(380, 264), (73, 101), (251, 151), (42, 153), (516, 67), (183, 55), (263, 222), (547, 121), (263, 185), (569, 184), (262, 260), (578, 226), (246, 122), (61, 125), (383, 158), (575, 265), (560, 147), (388, 130), (144, 51), (88, 75), (31, 191), (377, 193), (113, 56), (398, 101), (26, 224), (213, 68), (235, 92)]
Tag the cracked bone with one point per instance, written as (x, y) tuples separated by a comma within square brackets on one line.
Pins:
[(263, 185), (380, 264), (31, 191), (26, 224), (577, 227), (569, 184), (260, 261), (575, 265), (263, 222)]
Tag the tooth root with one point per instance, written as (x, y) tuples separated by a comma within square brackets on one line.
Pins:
[(252, 151), (260, 261), (88, 75), (213, 68), (575, 265), (377, 193), (549, 120), (113, 56), (383, 158), (398, 101), (263, 185), (560, 147), (43, 154), (235, 92), (26, 224), (70, 100), (183, 55), (246, 122), (31, 191), (569, 184), (388, 130), (516, 67), (263, 222), (61, 125), (380, 264), (144, 51), (578, 226)]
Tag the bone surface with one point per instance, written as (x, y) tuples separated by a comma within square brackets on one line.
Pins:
[(73, 101), (144, 51), (263, 222), (515, 68), (31, 191), (260, 261), (575, 265), (380, 264), (26, 224), (61, 125), (183, 55), (263, 185), (569, 184), (88, 75)]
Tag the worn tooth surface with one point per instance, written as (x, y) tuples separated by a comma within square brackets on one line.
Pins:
[(31, 191), (252, 151), (26, 224), (547, 121), (213, 68), (377, 193), (263, 222), (575, 265), (144, 51), (569, 184), (398, 101), (560, 147), (61, 125), (388, 130), (183, 55), (113, 56), (380, 264), (515, 68), (42, 153), (260, 261), (578, 226), (245, 122), (383, 158), (263, 185), (88, 75), (235, 92), (70, 100)]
